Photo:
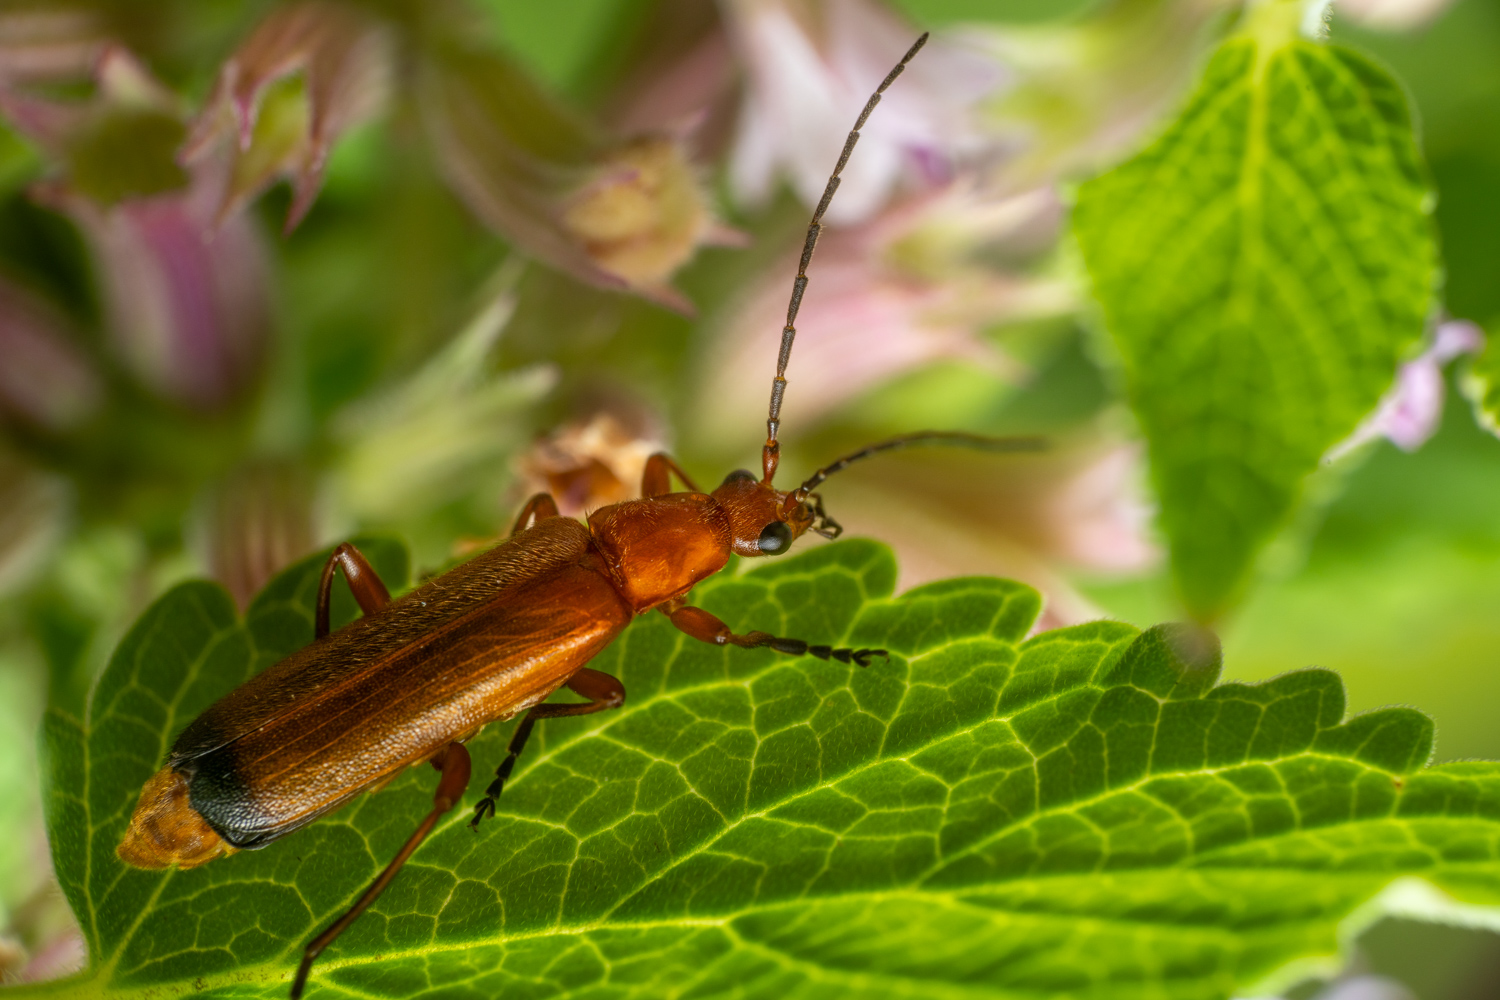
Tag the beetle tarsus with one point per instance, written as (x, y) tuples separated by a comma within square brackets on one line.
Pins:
[(843, 655), (486, 807), (602, 692)]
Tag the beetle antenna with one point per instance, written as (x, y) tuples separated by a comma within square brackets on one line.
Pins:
[(959, 439), (771, 453)]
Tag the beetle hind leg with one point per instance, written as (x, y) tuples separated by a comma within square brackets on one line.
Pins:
[(455, 766), (602, 692)]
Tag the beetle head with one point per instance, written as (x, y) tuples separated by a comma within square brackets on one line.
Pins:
[(764, 520)]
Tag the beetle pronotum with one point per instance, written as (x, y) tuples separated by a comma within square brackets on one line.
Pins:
[(414, 678)]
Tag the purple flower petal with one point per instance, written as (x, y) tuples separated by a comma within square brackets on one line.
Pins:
[(810, 69), (345, 58), (1410, 412), (44, 379), (40, 45)]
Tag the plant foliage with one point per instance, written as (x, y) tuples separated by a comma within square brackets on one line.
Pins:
[(1085, 813), (1263, 267)]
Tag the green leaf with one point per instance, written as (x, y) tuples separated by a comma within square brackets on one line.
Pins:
[(1084, 813), (1262, 267), (1480, 382)]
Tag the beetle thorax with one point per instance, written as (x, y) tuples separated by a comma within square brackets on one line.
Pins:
[(657, 548)]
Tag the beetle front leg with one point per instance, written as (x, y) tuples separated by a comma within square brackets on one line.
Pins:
[(369, 592), (706, 628), (601, 690)]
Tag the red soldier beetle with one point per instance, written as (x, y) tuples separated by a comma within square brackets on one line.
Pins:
[(416, 677)]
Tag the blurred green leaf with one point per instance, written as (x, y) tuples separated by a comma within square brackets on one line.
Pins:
[(1263, 266), (1084, 812), (1481, 383), (130, 153)]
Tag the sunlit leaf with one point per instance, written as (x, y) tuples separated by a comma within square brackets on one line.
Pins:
[(1084, 813), (1263, 267)]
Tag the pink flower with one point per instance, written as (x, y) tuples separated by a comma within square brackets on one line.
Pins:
[(810, 69), (1033, 518), (614, 213), (186, 303), (254, 523), (1410, 412), (339, 61), (898, 293), (45, 379), (48, 45)]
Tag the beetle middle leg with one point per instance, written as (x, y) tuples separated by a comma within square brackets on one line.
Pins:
[(707, 628), (455, 767), (601, 690), (368, 589)]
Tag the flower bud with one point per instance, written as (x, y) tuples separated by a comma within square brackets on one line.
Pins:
[(643, 215)]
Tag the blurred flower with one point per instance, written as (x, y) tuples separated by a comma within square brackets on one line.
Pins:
[(811, 67), (35, 508), (898, 293), (37, 44), (1100, 519), (187, 304), (1410, 412), (591, 462), (253, 524), (1365, 987), (45, 923), (45, 379), (441, 434), (1082, 93), (1035, 518), (309, 72), (1391, 15), (678, 77), (12, 958), (641, 216), (41, 939), (622, 215)]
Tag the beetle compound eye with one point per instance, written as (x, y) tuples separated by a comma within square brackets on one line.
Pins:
[(775, 539), (739, 475)]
